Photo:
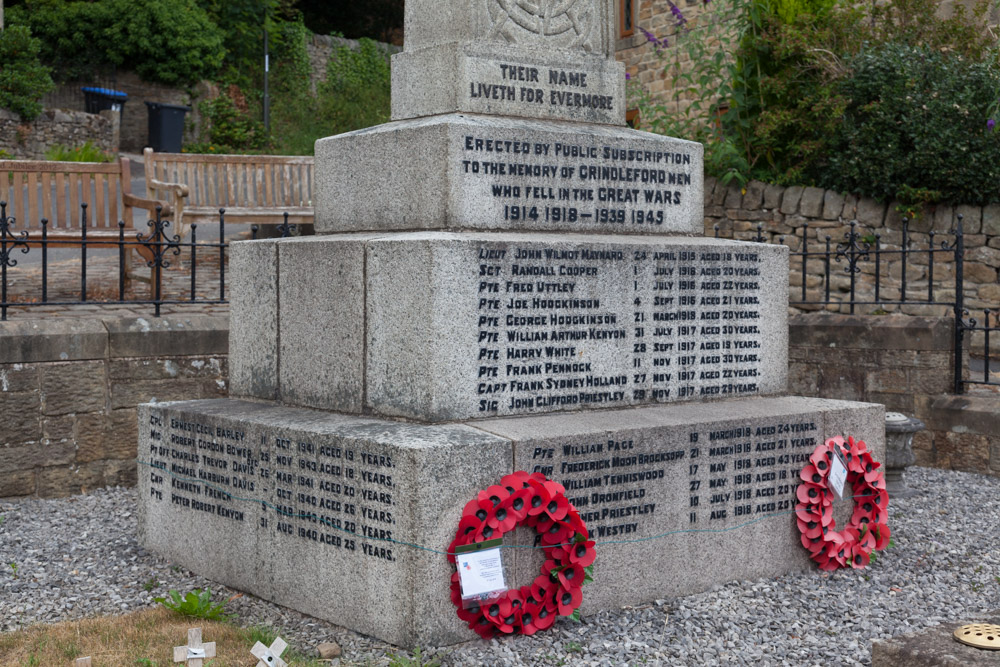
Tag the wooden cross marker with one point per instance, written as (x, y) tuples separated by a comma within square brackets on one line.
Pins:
[(194, 654), (270, 657), (82, 662)]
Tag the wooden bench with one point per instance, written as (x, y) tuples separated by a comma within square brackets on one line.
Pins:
[(253, 189), (35, 189)]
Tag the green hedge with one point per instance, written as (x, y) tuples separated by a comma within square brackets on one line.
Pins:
[(917, 121), (169, 41), (23, 79)]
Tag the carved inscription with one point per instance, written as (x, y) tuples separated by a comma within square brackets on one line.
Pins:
[(537, 86), (709, 478), (559, 23), (298, 490), (563, 327), (548, 185)]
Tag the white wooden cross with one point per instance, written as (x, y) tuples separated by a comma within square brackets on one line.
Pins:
[(270, 657), (82, 662), (194, 654)]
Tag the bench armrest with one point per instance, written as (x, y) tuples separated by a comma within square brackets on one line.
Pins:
[(148, 204), (179, 190)]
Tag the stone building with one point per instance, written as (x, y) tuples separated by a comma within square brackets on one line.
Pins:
[(650, 33)]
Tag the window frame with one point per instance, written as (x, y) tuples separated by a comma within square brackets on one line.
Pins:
[(624, 31)]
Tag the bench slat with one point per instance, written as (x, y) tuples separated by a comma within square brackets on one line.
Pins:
[(104, 206), (73, 182), (22, 220), (48, 204), (60, 219), (33, 200)]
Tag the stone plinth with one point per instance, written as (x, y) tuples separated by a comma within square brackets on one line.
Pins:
[(485, 173), (528, 59), (319, 511), (441, 326), (509, 81)]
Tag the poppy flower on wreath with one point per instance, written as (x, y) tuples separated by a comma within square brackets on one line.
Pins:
[(531, 500), (867, 530)]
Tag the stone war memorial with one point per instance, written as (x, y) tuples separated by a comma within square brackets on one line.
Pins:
[(505, 277)]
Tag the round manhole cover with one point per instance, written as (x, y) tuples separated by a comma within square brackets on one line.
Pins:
[(980, 635)]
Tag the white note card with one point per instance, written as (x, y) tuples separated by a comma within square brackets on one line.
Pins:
[(838, 474), (481, 572)]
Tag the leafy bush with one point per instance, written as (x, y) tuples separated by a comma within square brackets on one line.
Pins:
[(355, 95), (170, 41), (23, 79), (783, 109), (197, 604), (88, 152), (228, 126), (917, 121)]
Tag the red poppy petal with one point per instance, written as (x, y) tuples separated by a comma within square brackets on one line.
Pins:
[(518, 479), (811, 474), (568, 600), (860, 557), (583, 553), (820, 458), (545, 619), (882, 534), (571, 576), (809, 493)]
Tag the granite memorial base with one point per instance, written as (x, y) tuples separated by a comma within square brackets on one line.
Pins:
[(439, 326), (487, 173), (320, 511)]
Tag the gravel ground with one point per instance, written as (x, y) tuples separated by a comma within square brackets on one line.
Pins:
[(78, 557)]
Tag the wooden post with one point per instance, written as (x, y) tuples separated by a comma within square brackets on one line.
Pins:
[(194, 654), (270, 657), (80, 662)]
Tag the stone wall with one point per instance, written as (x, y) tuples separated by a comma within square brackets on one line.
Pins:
[(29, 141), (783, 213), (69, 388), (320, 49), (135, 114), (906, 364)]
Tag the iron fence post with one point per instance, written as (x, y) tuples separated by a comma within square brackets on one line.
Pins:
[(959, 304)]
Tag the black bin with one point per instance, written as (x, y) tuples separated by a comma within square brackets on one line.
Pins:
[(96, 100), (166, 126)]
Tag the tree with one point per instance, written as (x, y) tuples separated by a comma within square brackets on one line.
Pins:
[(379, 19)]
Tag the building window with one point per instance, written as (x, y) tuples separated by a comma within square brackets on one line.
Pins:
[(632, 118), (626, 18)]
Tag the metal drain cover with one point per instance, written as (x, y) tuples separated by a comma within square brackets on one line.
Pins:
[(980, 635)]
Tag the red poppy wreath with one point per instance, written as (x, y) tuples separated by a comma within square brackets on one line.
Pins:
[(867, 530), (537, 502)]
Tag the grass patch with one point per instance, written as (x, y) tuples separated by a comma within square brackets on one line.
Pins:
[(146, 637)]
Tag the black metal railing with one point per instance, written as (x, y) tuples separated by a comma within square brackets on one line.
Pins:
[(856, 252), (157, 249)]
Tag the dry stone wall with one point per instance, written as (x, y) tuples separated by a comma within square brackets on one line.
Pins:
[(29, 141), (320, 49), (906, 364), (69, 390), (783, 213)]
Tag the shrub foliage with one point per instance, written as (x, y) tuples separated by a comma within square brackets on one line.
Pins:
[(23, 79), (882, 99)]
